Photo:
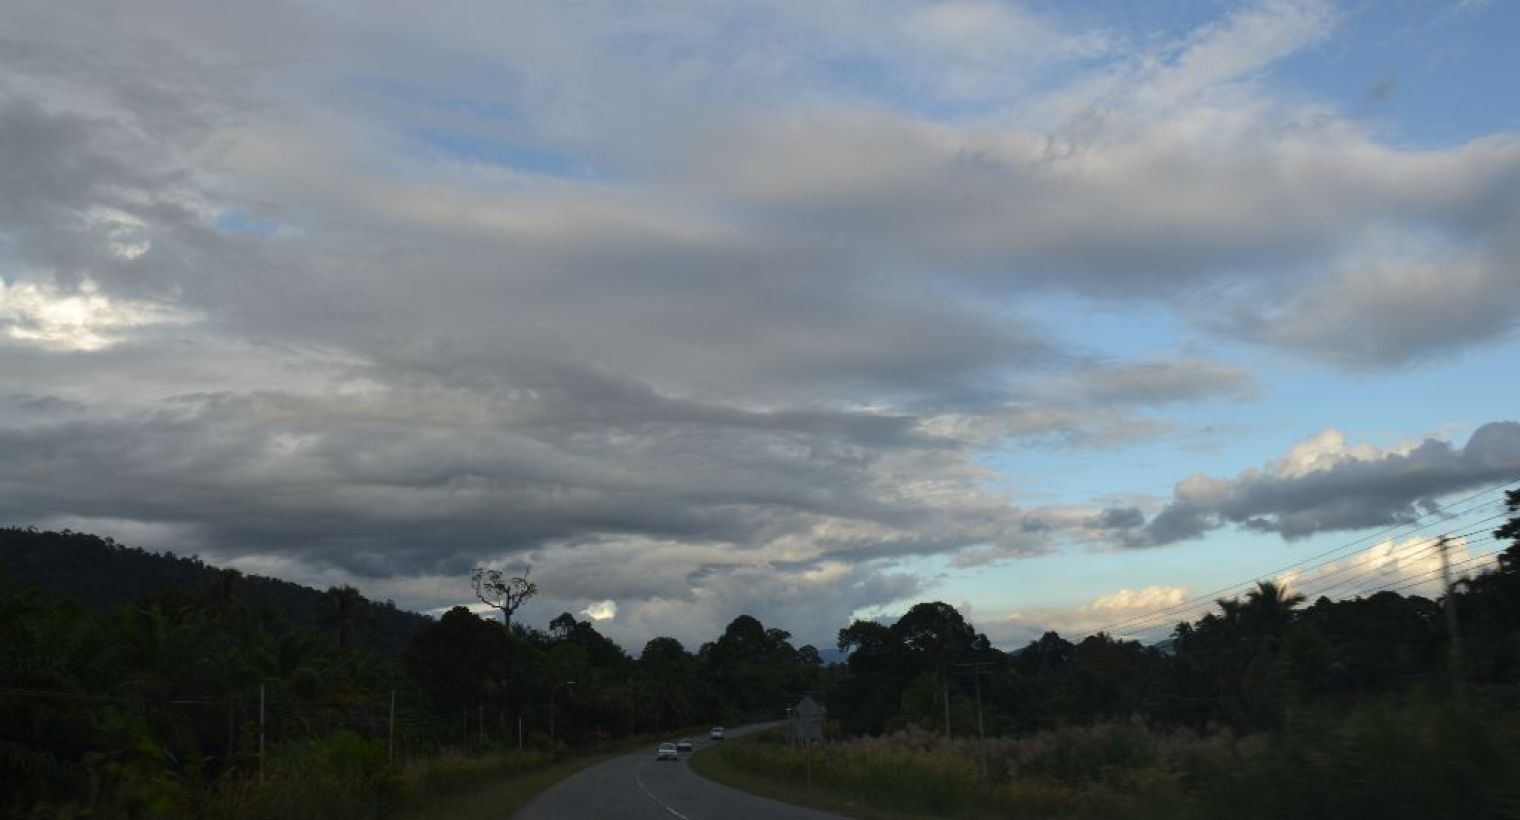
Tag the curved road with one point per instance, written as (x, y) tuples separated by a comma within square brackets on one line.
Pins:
[(638, 786)]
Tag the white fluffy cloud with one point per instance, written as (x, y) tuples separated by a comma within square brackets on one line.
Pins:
[(1118, 607)]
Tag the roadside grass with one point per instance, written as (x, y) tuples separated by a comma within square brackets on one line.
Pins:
[(347, 778), (720, 764), (497, 786), (495, 794), (1409, 757), (919, 776)]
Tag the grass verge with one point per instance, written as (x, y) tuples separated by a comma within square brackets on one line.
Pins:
[(719, 763), (501, 796), (1405, 757), (500, 791)]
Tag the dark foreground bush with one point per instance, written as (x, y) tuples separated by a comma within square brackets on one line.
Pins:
[(1410, 758)]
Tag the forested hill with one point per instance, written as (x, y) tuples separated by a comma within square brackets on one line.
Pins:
[(103, 574)]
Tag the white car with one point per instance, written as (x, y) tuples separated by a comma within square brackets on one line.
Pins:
[(716, 733), (667, 751)]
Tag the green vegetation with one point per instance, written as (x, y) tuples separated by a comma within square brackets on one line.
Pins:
[(198, 701), (1405, 757), (1263, 708), (159, 707), (1248, 666), (105, 575)]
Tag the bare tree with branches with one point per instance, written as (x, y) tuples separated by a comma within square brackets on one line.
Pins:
[(503, 592)]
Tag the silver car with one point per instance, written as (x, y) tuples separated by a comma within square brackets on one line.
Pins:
[(667, 751)]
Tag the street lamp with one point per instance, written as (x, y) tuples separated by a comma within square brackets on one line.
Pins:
[(552, 690)]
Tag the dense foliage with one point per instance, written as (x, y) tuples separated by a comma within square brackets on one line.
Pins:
[(160, 702), (105, 575), (1248, 665), (182, 690)]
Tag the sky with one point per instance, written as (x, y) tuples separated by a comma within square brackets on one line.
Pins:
[(1065, 314)]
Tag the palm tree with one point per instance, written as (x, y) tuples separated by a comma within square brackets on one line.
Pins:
[(1269, 607)]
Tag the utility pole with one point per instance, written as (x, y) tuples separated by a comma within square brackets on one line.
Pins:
[(1454, 642), (976, 670), (480, 720), (981, 734), (809, 743), (945, 687), (261, 733), (390, 731), (231, 730)]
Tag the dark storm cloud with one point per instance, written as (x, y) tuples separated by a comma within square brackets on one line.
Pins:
[(429, 480), (1352, 493)]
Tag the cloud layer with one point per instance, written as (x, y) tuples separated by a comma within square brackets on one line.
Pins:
[(697, 309), (1322, 485)]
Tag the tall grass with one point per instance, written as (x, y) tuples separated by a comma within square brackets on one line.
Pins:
[(1409, 758), (1103, 771), (348, 778), (1413, 758)]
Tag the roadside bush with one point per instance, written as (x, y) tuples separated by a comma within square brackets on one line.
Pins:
[(1407, 758), (343, 776)]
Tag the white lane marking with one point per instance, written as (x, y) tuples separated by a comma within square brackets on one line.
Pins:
[(663, 805)]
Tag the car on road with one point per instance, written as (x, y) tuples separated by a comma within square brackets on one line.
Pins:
[(716, 733), (683, 745), (667, 751)]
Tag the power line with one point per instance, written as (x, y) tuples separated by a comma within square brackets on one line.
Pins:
[(1431, 575), (1207, 600), (1140, 630), (65, 695), (1428, 549)]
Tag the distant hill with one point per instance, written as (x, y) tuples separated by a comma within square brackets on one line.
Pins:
[(103, 574)]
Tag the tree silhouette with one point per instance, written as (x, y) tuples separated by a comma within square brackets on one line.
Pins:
[(1269, 607), (502, 592), (344, 610)]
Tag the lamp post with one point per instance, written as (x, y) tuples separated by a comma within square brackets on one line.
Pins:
[(552, 690)]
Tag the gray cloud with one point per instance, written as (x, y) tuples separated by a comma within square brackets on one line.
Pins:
[(1381, 313), (1119, 518), (1347, 491), (537, 288), (1153, 383)]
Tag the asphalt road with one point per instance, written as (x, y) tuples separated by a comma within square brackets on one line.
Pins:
[(638, 786)]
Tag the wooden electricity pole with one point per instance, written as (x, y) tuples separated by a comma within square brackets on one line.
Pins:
[(1453, 640)]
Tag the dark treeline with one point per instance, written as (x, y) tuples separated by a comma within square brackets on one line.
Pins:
[(1247, 665), (127, 706), (103, 574), (121, 696)]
